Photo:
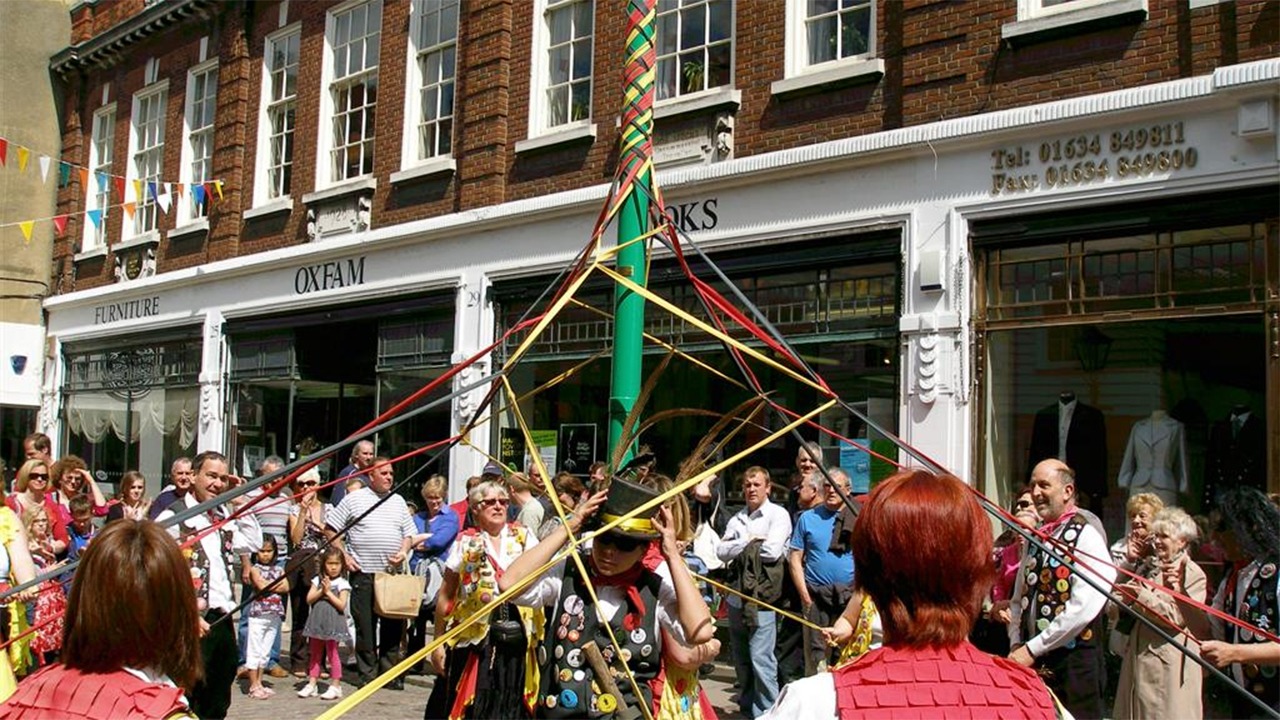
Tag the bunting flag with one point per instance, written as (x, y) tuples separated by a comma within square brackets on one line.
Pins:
[(102, 182), (217, 184), (64, 174), (96, 217), (44, 168), (151, 189), (119, 181), (23, 155), (137, 190), (197, 195), (164, 199), (26, 227), (178, 187), (129, 207), (84, 177), (4, 151), (60, 224)]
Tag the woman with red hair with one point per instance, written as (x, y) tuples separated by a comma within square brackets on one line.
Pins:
[(922, 547)]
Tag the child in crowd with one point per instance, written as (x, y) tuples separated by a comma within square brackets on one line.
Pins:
[(51, 602), (326, 625), (265, 614)]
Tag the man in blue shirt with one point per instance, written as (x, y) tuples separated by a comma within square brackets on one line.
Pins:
[(361, 459), (823, 576)]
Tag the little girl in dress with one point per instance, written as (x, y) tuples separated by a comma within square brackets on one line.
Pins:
[(327, 624), (50, 603)]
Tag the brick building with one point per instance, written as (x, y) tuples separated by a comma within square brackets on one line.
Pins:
[(960, 210)]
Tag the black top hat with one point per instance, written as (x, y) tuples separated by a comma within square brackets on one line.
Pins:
[(625, 496)]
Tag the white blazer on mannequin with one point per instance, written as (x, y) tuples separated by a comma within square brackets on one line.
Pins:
[(1156, 455)]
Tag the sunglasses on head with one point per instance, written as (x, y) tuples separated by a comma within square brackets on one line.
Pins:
[(621, 543), (491, 502)]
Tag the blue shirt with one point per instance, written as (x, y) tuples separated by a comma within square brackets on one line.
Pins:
[(813, 536), (338, 490), (443, 528)]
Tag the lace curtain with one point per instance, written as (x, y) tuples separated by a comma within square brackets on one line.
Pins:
[(161, 412)]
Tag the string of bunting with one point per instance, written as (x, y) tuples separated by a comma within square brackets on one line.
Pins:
[(160, 192)]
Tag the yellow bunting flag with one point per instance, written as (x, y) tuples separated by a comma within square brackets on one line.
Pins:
[(23, 155), (26, 226), (218, 186), (137, 190)]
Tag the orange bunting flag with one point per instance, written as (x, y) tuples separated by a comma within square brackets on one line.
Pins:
[(26, 227), (129, 208), (60, 224), (23, 154), (178, 188), (84, 178)]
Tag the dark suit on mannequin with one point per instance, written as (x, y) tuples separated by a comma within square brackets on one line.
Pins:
[(1086, 447), (1236, 457)]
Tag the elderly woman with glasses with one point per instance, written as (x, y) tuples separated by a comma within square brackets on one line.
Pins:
[(32, 489), (488, 665), (306, 536), (640, 607), (990, 632)]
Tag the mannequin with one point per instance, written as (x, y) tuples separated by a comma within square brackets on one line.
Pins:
[(1076, 434), (1155, 458), (1237, 453)]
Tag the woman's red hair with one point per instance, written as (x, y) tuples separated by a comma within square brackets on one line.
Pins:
[(922, 551)]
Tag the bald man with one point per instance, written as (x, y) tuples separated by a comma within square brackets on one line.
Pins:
[(1056, 623)]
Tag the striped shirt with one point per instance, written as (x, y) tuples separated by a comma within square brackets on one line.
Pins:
[(379, 535), (273, 515)]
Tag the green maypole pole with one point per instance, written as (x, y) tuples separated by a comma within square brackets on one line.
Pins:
[(634, 163)]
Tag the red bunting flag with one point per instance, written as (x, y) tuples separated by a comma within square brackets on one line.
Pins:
[(60, 224), (4, 151)]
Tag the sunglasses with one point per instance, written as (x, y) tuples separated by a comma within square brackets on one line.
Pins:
[(38, 476), (1023, 505), (621, 543), (308, 483), (491, 502)]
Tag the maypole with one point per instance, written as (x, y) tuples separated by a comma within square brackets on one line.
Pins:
[(635, 167)]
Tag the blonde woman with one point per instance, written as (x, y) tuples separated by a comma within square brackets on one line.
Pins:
[(132, 501), (32, 490)]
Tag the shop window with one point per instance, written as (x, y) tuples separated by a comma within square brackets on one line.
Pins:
[(133, 407), (695, 46)]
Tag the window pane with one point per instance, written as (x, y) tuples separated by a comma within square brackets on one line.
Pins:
[(719, 65), (583, 18), (582, 59), (822, 40), (561, 26), (693, 27), (559, 64), (721, 20)]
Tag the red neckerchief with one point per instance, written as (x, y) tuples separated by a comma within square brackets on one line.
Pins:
[(629, 580), (1050, 528)]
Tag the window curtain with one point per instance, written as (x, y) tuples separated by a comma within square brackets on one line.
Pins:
[(161, 412)]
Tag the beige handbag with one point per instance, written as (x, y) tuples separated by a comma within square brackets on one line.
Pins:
[(398, 595)]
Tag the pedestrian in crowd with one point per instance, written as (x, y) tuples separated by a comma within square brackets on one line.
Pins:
[(179, 483), (463, 507), (81, 530), (117, 661), (326, 627), (38, 446), (50, 602), (362, 458), (806, 491), (1053, 629), (31, 490), (640, 606), (485, 670), (16, 567), (437, 527), (266, 614), (1157, 679), (922, 546), (991, 631), (71, 477), (373, 528), (211, 553), (131, 502), (821, 565), (597, 474), (1249, 532), (1133, 553), (526, 496), (272, 512), (306, 536), (569, 490), (754, 548)]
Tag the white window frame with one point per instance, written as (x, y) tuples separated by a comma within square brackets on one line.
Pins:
[(1032, 9), (328, 173), (676, 13), (539, 106), (415, 151), (196, 170), (797, 53), (101, 155), (1034, 17), (146, 214), (265, 188)]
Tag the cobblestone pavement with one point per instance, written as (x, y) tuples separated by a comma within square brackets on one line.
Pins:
[(408, 703)]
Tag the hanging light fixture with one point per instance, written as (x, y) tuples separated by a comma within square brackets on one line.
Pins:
[(1093, 348)]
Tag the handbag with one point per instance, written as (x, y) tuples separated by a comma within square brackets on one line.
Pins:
[(431, 570), (398, 595), (705, 541)]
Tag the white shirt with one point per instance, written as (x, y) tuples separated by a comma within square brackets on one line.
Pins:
[(1065, 411), (546, 593), (246, 537), (1085, 603), (769, 521), (507, 545)]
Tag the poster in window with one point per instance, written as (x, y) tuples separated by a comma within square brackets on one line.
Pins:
[(856, 463), (545, 443), (577, 448), (511, 448)]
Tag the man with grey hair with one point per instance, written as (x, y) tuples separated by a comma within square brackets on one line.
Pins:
[(179, 482), (822, 566), (361, 459)]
